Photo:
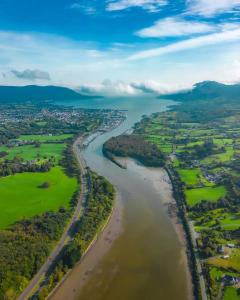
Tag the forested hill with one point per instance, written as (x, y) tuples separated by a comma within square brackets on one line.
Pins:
[(9, 94), (207, 90)]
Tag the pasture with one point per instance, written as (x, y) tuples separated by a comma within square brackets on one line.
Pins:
[(44, 138), (22, 197), (31, 152), (232, 263), (228, 221), (211, 194), (189, 176), (231, 293)]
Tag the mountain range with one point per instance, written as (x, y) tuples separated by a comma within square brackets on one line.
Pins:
[(35, 93), (208, 90)]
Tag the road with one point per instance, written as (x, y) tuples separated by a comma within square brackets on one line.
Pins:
[(198, 262), (66, 237)]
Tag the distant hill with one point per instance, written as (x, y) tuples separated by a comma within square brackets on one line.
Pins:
[(208, 90), (34, 93)]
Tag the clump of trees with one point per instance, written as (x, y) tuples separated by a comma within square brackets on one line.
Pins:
[(136, 147), (200, 151), (44, 185), (8, 132), (24, 247), (3, 154), (18, 165)]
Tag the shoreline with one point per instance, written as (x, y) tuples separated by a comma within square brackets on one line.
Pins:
[(100, 245), (172, 211), (181, 234)]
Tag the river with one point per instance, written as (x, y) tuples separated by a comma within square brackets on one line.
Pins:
[(140, 255)]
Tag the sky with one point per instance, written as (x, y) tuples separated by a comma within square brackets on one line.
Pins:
[(119, 47)]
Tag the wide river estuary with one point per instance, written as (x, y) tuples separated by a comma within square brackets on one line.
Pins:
[(139, 256)]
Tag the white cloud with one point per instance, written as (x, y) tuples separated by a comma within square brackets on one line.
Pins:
[(31, 74), (120, 88), (210, 39), (69, 62), (74, 63), (149, 5), (175, 27), (109, 88), (212, 7), (88, 10), (156, 87)]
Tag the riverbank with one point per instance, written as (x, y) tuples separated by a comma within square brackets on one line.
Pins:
[(172, 209), (77, 277)]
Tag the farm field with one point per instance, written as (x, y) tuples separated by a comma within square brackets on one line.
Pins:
[(161, 142), (228, 221), (44, 138), (190, 177), (22, 197), (231, 294), (232, 263), (212, 194), (31, 152)]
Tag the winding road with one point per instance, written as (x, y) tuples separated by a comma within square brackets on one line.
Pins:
[(67, 235)]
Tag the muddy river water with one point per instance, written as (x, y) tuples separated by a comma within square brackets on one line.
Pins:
[(139, 256)]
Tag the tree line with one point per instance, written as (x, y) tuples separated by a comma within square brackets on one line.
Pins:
[(17, 165)]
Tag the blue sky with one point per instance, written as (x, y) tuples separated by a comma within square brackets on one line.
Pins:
[(119, 46)]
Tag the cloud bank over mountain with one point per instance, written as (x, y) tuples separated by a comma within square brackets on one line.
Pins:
[(121, 88)]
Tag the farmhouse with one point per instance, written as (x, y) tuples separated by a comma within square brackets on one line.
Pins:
[(230, 280)]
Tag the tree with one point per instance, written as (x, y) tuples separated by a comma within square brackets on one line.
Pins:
[(44, 185), (72, 254)]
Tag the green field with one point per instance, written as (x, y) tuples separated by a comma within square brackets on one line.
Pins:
[(161, 142), (211, 194), (228, 221), (41, 123), (44, 138), (31, 152), (231, 293), (231, 264), (221, 157), (231, 222), (21, 197), (190, 177)]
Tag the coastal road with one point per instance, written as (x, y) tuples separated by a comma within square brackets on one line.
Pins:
[(66, 236), (198, 262)]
